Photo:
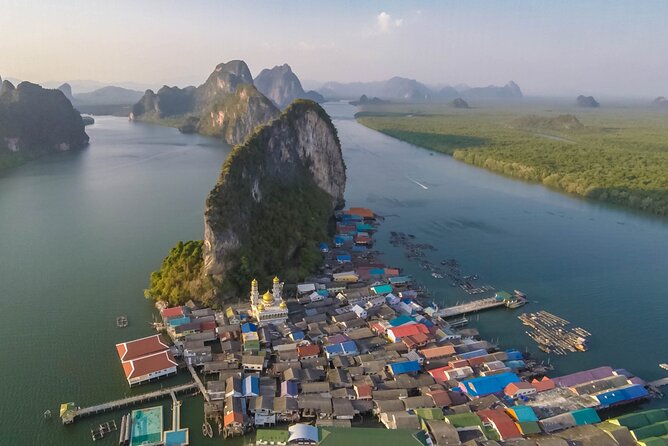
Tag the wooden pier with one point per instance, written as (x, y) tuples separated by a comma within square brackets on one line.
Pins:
[(199, 383), (71, 415), (471, 307)]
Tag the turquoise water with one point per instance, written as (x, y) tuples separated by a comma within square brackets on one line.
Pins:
[(80, 233)]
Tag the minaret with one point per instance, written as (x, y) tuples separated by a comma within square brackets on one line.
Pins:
[(254, 294), (276, 290)]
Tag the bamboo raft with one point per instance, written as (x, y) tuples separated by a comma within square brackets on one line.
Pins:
[(552, 333)]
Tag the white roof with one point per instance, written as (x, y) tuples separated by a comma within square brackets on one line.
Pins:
[(303, 432), (305, 287)]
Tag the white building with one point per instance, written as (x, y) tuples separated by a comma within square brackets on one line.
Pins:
[(359, 311), (271, 308)]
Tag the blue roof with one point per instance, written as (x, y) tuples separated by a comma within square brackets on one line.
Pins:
[(516, 364), (524, 413), (376, 271), (248, 327), (179, 321), (344, 348), (324, 293), (514, 355), (343, 258), (176, 438), (473, 354), (361, 227), (352, 217), (297, 335), (382, 289), (622, 395), (338, 240), (401, 320), (250, 385), (289, 388), (487, 385), (405, 367), (359, 248), (323, 247), (585, 416)]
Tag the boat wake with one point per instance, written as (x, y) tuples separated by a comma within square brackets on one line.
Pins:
[(418, 183)]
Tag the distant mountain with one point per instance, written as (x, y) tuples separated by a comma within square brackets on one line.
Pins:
[(364, 100), (282, 86), (226, 105), (67, 91), (403, 89), (661, 102), (35, 121), (460, 103), (587, 102), (109, 96), (509, 91)]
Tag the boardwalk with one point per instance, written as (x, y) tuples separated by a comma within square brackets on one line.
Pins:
[(72, 415), (659, 382), (470, 307), (199, 382)]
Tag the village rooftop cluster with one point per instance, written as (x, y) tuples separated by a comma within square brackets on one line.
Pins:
[(358, 342)]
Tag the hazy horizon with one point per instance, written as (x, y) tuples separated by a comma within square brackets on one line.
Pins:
[(600, 48)]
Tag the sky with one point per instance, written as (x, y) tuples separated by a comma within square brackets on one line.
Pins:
[(550, 48)]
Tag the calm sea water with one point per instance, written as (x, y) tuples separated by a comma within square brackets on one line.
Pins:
[(80, 233)]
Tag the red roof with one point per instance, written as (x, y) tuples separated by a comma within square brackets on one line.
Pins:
[(512, 388), (502, 423), (479, 360), (439, 373), (409, 330), (363, 391), (415, 340), (308, 350), (172, 312), (438, 352), (148, 364), (377, 327), (130, 350), (459, 363), (391, 272), (209, 325), (233, 417)]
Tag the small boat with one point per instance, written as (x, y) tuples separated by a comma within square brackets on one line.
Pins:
[(519, 294), (122, 321), (664, 366), (47, 414), (437, 275), (207, 430)]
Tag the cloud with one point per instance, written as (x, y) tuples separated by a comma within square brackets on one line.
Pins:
[(385, 23)]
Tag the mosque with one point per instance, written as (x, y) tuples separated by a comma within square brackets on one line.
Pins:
[(270, 308)]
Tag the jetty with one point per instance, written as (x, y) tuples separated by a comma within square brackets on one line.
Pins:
[(199, 383), (553, 334), (659, 382), (72, 414), (470, 307)]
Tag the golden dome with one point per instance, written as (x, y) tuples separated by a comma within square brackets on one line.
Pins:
[(268, 297), (283, 305), (260, 307), (276, 280), (254, 282)]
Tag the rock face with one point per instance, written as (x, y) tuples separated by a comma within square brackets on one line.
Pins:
[(509, 91), (274, 198), (225, 105), (587, 102), (460, 103), (364, 100), (282, 86), (35, 121)]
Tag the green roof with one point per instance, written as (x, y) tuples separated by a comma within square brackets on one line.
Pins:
[(429, 413), (654, 441), (653, 430), (272, 435), (463, 420), (528, 427), (640, 419), (491, 433), (365, 436)]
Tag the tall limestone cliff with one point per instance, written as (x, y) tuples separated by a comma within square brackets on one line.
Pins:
[(282, 86), (275, 197), (35, 121), (225, 105)]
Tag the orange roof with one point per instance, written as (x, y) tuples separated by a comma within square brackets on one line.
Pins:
[(438, 352), (408, 330), (362, 212), (441, 398), (439, 373), (130, 350), (544, 384), (148, 364), (172, 312), (363, 391), (308, 350), (233, 417)]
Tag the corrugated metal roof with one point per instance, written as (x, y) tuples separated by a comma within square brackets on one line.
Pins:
[(404, 367)]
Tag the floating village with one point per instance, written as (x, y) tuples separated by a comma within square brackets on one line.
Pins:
[(360, 355)]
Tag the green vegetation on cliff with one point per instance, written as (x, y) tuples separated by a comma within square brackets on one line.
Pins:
[(179, 278), (268, 211), (618, 156)]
